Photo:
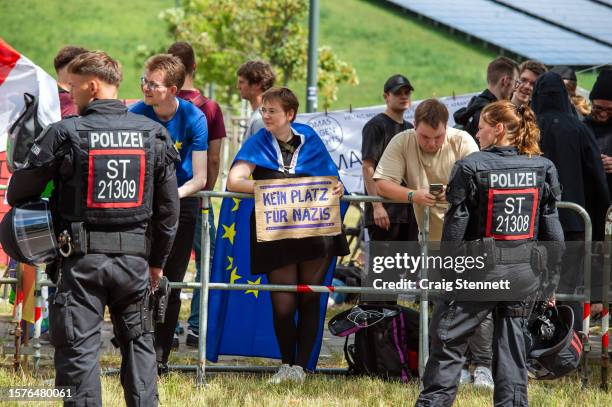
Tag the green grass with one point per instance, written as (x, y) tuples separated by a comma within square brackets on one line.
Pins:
[(377, 39), (38, 29), (252, 390)]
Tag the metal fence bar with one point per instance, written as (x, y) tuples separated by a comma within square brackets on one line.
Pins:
[(586, 312), (205, 285)]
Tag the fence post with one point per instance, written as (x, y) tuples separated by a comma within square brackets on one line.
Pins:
[(605, 314), (37, 316), (204, 278), (424, 302)]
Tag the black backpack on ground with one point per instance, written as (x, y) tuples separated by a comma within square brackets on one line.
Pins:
[(386, 344)]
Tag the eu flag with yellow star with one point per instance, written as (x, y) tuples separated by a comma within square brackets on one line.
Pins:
[(240, 322)]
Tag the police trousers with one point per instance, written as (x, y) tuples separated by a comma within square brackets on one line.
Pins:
[(88, 284), (452, 325)]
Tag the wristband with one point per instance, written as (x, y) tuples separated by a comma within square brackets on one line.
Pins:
[(410, 196)]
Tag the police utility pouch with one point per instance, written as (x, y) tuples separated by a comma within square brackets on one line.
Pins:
[(61, 324), (79, 239)]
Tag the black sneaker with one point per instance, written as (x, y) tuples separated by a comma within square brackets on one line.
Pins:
[(192, 338), (179, 330), (175, 341), (162, 368)]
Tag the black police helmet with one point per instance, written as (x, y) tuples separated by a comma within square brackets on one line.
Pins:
[(26, 233), (555, 357)]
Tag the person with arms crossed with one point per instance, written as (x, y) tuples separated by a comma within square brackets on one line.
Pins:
[(163, 77), (216, 133)]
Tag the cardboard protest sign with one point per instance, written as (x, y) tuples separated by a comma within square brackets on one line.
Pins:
[(296, 208)]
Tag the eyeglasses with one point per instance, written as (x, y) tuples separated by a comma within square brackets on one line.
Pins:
[(517, 83), (151, 85), (598, 109), (525, 81)]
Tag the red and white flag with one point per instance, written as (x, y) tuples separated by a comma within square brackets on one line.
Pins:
[(19, 75)]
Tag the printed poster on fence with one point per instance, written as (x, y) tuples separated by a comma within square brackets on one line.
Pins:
[(296, 208)]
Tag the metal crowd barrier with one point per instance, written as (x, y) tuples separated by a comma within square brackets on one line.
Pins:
[(204, 285)]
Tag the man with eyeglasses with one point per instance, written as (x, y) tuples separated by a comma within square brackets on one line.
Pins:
[(163, 78), (529, 71), (502, 80), (600, 119)]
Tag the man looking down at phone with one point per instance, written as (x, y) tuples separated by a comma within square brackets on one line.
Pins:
[(417, 163)]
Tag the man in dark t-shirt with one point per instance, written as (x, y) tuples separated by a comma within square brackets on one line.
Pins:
[(387, 221)]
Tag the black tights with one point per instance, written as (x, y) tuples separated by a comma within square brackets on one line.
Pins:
[(284, 306)]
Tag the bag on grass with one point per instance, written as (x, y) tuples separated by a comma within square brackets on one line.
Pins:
[(386, 340)]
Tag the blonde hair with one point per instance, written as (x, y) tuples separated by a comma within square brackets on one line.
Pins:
[(520, 123), (581, 104)]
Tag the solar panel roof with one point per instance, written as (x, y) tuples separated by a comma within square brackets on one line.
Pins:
[(513, 31), (583, 16)]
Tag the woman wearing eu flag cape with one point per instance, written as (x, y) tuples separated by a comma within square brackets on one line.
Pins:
[(287, 150)]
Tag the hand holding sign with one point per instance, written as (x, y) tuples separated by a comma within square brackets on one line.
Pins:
[(297, 208)]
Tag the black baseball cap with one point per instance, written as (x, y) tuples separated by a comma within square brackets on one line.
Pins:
[(397, 82)]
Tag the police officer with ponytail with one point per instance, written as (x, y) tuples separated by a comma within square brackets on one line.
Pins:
[(115, 206), (483, 195)]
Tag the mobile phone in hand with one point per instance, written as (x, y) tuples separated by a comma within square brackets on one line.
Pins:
[(436, 189)]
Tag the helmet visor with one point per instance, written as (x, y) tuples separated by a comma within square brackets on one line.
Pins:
[(34, 233)]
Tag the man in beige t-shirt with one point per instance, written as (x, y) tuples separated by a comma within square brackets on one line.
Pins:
[(420, 157)]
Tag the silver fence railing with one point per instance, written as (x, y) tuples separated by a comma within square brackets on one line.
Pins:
[(205, 286)]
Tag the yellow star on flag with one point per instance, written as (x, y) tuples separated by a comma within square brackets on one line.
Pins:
[(230, 259), (229, 232), (254, 292), (234, 275), (236, 204), (178, 145)]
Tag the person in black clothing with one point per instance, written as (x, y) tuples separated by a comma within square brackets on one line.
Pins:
[(116, 188), (600, 119), (289, 261), (509, 138), (502, 80), (569, 144), (387, 221)]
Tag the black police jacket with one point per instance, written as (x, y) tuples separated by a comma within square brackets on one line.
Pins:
[(468, 117), (465, 218), (512, 198), (112, 169), (567, 142)]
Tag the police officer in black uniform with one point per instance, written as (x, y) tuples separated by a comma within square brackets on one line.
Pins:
[(483, 192), (115, 206)]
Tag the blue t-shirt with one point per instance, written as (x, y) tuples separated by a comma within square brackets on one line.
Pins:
[(187, 129)]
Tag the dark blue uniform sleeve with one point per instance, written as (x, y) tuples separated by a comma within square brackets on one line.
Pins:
[(166, 206), (460, 191), (549, 225)]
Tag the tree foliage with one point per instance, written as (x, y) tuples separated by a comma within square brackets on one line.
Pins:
[(226, 33)]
